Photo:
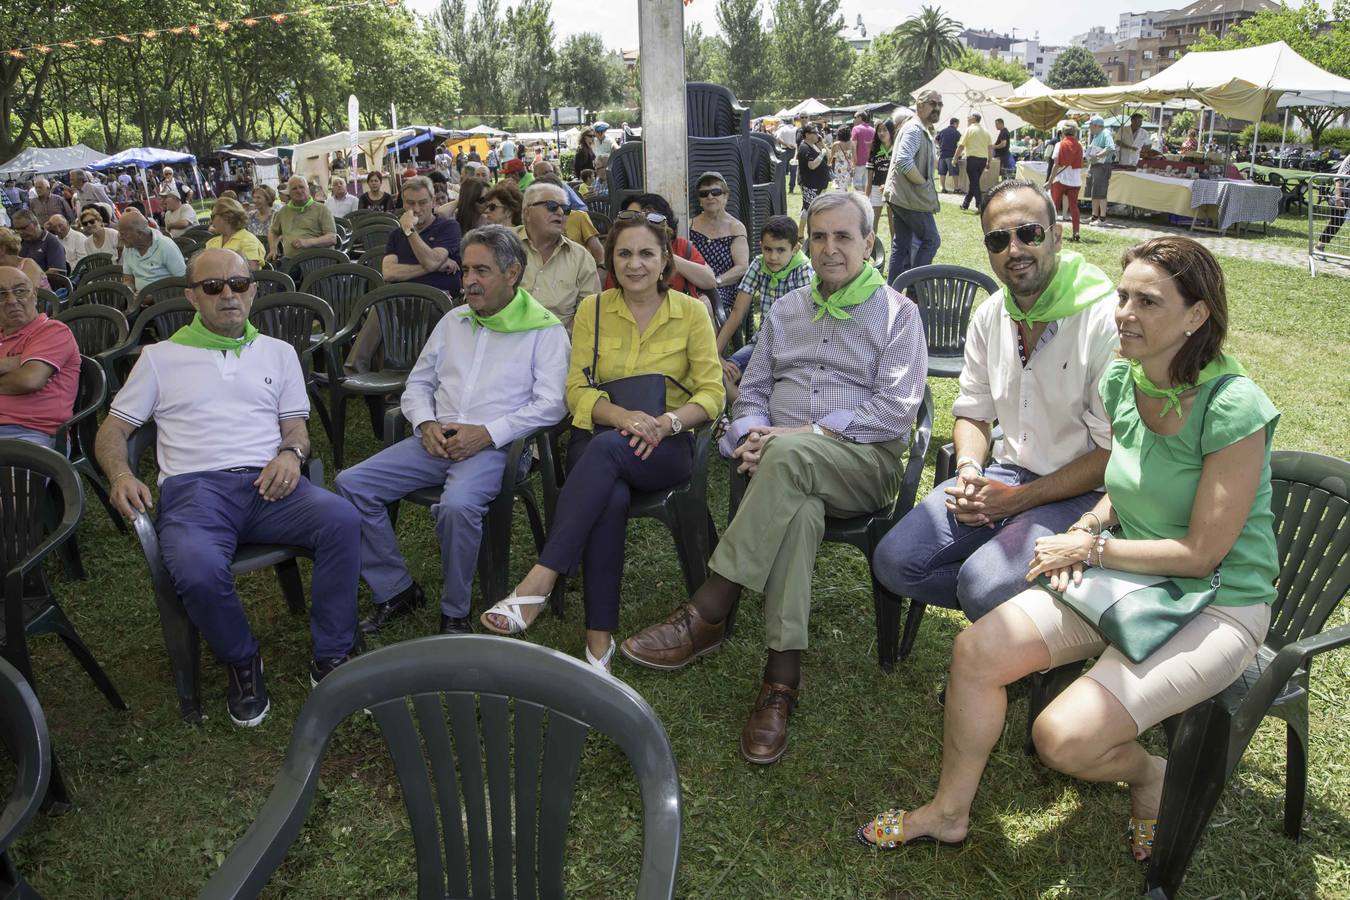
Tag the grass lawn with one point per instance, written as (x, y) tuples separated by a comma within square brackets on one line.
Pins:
[(159, 803)]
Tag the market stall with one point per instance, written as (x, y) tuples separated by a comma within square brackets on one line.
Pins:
[(49, 161), (139, 159)]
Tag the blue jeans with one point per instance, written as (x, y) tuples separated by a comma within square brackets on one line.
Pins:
[(467, 487), (204, 516), (934, 559), (742, 356), (914, 241), (29, 435)]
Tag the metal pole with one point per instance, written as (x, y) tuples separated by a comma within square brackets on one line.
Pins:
[(664, 132), (1282, 133)]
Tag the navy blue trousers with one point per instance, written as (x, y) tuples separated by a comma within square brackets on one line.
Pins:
[(204, 516), (592, 518)]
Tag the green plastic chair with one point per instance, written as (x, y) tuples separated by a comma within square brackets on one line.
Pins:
[(486, 737)]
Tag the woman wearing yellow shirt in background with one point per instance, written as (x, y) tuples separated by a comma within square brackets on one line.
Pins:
[(644, 327), (228, 221)]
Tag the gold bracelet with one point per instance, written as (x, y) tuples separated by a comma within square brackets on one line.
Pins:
[(126, 474)]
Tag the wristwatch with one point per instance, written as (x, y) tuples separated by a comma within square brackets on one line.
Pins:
[(298, 452), (676, 426)]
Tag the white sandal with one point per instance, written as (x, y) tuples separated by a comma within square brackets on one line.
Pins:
[(604, 663), (509, 609)]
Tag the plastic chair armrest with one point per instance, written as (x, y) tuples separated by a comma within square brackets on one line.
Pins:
[(1288, 660), (395, 426)]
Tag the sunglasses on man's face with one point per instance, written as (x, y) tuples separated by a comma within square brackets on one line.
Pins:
[(553, 206), (213, 286), (1031, 234), (710, 192), (629, 215)]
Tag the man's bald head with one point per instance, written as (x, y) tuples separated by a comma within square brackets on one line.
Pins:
[(59, 226), (542, 167), (216, 262), (134, 230), (18, 299)]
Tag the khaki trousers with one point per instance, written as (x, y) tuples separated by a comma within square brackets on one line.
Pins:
[(770, 546)]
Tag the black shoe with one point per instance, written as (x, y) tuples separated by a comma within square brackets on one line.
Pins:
[(247, 698), (455, 625), (396, 608), (319, 668)]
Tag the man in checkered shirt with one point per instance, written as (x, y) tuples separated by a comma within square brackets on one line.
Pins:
[(824, 415)]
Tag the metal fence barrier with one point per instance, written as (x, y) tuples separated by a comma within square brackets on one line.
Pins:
[(1328, 205)]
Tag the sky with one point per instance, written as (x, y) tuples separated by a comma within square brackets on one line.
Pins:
[(616, 20)]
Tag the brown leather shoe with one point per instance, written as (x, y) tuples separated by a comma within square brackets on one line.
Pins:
[(675, 643), (764, 737)]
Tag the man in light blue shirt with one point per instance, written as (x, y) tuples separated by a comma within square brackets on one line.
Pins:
[(147, 255), (492, 371)]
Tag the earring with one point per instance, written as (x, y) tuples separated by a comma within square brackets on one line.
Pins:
[(1188, 334)]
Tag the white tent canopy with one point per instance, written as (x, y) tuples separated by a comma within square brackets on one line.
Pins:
[(963, 94), (487, 130), (311, 158), (48, 160), (808, 107), (1032, 87)]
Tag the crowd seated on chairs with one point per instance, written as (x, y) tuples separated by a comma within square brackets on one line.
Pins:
[(1101, 434)]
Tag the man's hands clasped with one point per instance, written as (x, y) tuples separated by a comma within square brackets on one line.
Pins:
[(453, 440), (980, 502)]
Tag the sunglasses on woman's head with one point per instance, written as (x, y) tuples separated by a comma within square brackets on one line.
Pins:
[(629, 215), (213, 286), (1031, 234), (710, 192)]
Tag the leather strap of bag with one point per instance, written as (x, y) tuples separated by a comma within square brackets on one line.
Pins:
[(594, 368)]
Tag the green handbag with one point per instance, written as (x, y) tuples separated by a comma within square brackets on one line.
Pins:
[(1136, 614)]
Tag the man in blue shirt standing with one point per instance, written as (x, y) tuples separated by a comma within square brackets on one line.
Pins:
[(947, 139)]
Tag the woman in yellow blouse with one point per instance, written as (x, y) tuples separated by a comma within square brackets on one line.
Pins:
[(228, 221), (644, 327)]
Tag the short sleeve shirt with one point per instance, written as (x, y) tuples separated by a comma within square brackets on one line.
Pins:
[(1152, 478), (48, 341), (243, 243), (441, 233), (977, 142), (163, 259), (313, 221), (863, 135), (214, 410)]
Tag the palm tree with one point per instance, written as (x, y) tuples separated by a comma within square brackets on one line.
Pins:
[(929, 40)]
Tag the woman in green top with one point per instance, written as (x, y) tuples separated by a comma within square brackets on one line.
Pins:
[(1187, 491)]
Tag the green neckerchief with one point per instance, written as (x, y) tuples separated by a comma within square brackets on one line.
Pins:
[(196, 334), (526, 180), (1076, 285), (523, 313), (776, 278), (308, 203), (851, 294), (1220, 365)]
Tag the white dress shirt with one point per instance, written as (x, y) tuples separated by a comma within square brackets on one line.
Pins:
[(343, 206), (1138, 138), (1050, 411), (510, 383), (77, 247)]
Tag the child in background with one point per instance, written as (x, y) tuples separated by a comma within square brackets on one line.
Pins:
[(587, 182), (781, 267)]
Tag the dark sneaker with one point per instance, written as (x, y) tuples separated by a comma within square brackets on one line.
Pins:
[(396, 608), (319, 668), (247, 698), (455, 625)]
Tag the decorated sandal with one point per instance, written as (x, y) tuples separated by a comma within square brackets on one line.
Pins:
[(888, 831), (1140, 835), (604, 663), (509, 609)]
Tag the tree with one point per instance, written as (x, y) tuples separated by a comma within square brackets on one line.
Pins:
[(746, 60), (810, 58), (703, 55), (977, 63), (529, 28), (1076, 67), (478, 48), (882, 72), (1326, 45), (585, 71), (930, 40)]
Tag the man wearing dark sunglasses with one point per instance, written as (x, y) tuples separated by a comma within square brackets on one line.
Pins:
[(230, 409), (1035, 352), (559, 271)]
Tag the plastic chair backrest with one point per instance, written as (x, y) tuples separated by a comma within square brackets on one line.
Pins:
[(102, 273), (170, 288), (198, 233), (306, 261), (342, 286), (726, 156), (48, 302), (372, 235), (484, 732), (86, 263), (28, 472), (407, 314), (1310, 497), (104, 293), (76, 435), (270, 282), (626, 172), (60, 283), (23, 732), (946, 296), (96, 328), (713, 112), (291, 317), (187, 246)]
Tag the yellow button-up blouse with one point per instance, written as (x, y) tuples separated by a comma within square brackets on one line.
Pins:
[(678, 342)]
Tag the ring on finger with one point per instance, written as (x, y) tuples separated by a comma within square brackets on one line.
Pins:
[(285, 481)]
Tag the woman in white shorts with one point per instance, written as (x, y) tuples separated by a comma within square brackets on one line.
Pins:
[(1187, 492), (878, 167)]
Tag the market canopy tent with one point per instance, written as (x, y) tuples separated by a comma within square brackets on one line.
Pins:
[(1268, 72), (808, 107), (143, 158), (963, 94), (46, 160), (487, 130), (311, 157), (1032, 87)]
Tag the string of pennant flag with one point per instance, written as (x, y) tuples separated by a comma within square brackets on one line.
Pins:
[(195, 29)]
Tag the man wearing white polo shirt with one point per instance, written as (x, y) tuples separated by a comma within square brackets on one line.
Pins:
[(492, 370), (230, 406)]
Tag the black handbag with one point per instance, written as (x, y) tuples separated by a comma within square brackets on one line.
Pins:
[(644, 393)]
